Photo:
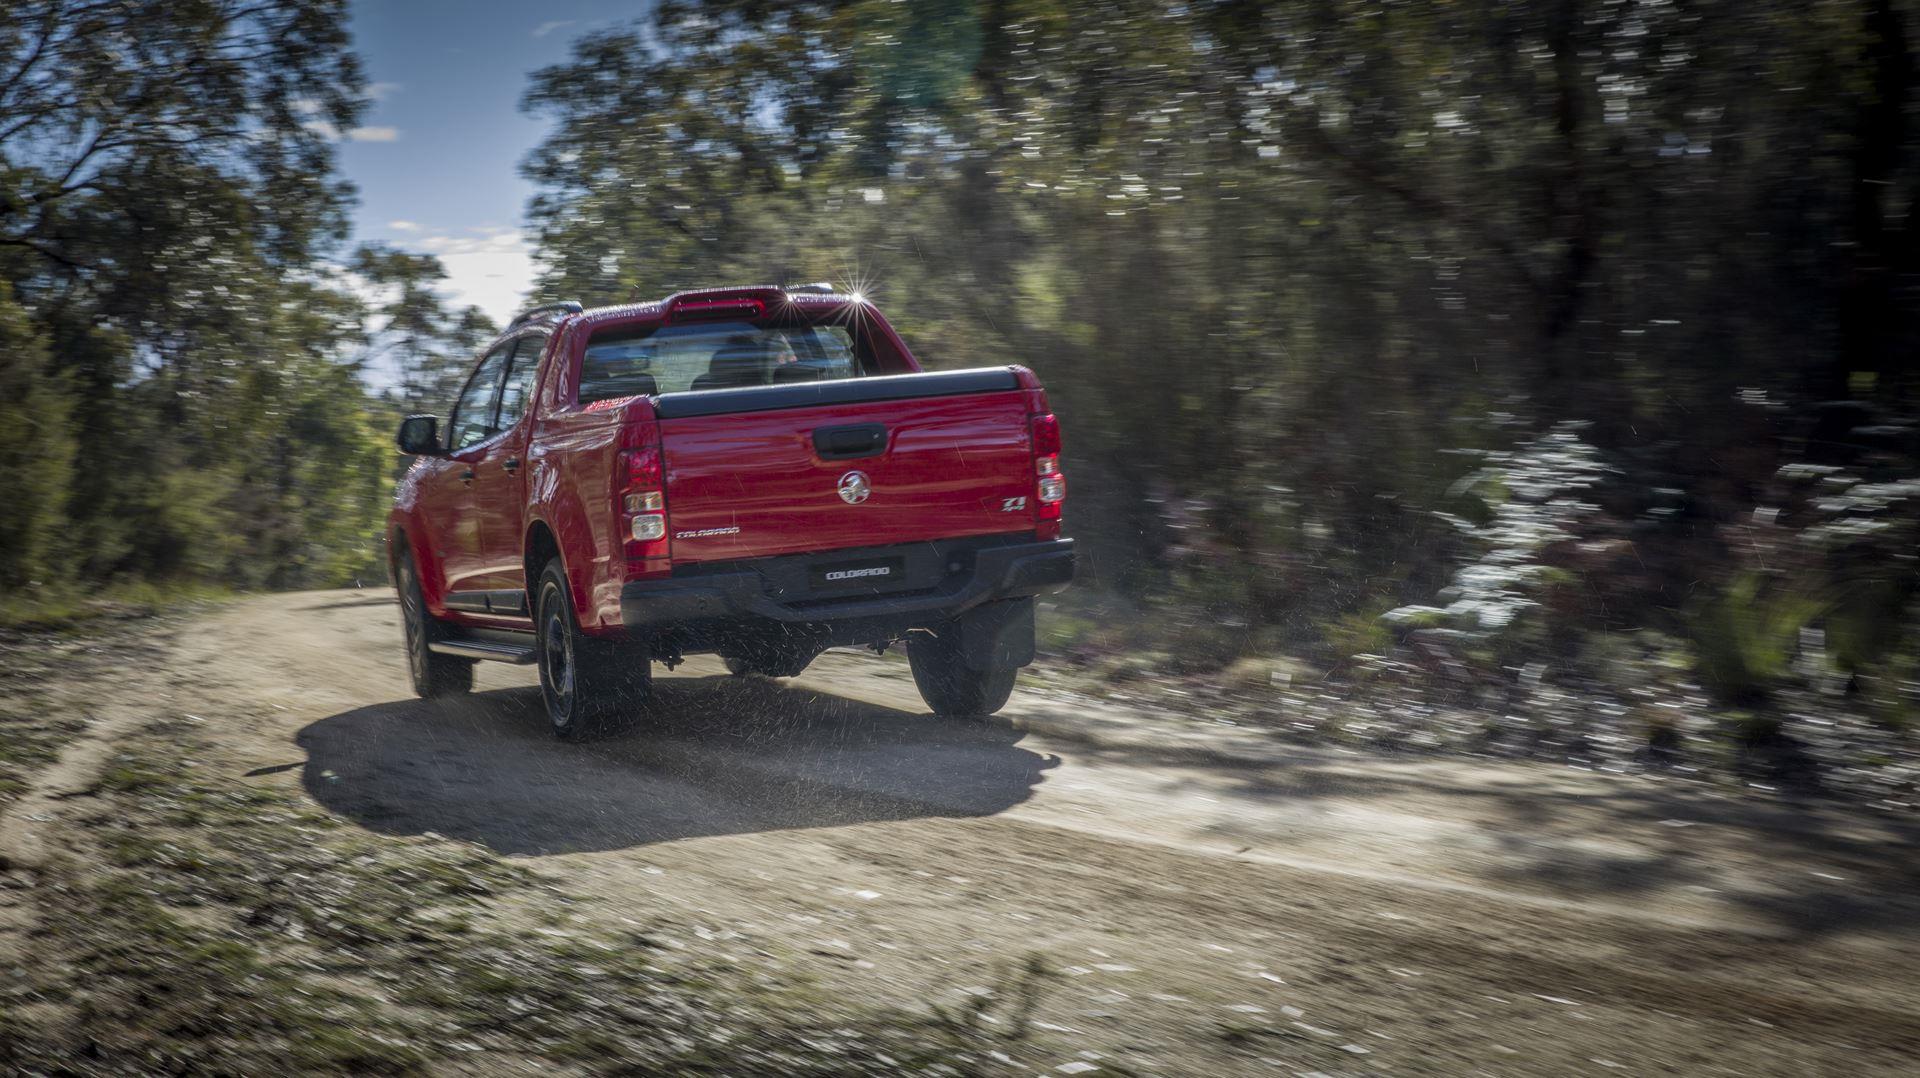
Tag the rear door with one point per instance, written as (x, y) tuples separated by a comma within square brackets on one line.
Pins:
[(865, 473)]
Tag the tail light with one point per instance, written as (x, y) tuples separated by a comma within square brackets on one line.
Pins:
[(1050, 486), (643, 512)]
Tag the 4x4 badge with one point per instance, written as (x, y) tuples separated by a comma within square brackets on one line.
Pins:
[(854, 488)]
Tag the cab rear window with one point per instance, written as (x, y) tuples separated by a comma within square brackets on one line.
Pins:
[(714, 355)]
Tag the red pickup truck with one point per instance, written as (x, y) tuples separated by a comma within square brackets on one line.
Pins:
[(759, 472)]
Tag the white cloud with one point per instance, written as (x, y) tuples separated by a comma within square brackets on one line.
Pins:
[(404, 226), (490, 268), (546, 28), (331, 133), (380, 91)]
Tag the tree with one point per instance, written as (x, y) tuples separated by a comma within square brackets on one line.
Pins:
[(180, 384), (1276, 261), (223, 96), (426, 347), (36, 450)]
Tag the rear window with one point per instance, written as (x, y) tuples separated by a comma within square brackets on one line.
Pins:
[(714, 355)]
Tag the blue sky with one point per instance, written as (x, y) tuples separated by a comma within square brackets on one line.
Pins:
[(436, 158)]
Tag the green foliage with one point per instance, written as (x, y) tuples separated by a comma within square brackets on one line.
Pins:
[(1364, 633), (1277, 261), (180, 391), (72, 605), (36, 450), (139, 135), (1265, 280), (1747, 635), (1866, 621)]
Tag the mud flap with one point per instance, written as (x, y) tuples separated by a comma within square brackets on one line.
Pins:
[(997, 636)]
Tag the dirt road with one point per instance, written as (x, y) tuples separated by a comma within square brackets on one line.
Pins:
[(1212, 901)]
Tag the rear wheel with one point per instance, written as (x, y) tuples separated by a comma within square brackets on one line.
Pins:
[(433, 674), (948, 685), (592, 688)]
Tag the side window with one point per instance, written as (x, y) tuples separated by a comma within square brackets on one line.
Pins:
[(519, 384), (472, 421)]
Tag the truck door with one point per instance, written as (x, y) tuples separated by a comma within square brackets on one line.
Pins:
[(447, 496), (499, 487)]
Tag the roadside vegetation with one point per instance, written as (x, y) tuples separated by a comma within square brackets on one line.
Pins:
[(70, 606), (1478, 355), (187, 356)]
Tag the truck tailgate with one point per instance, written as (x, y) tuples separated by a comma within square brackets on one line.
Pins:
[(760, 483)]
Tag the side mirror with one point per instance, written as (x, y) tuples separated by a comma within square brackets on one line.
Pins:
[(420, 436)]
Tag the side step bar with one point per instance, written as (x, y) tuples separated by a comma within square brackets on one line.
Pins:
[(517, 654)]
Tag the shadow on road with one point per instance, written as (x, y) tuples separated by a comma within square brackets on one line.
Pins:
[(709, 756)]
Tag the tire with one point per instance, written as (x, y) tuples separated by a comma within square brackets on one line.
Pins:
[(591, 688), (949, 686), (434, 675)]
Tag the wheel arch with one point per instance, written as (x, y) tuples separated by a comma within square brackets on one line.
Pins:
[(577, 539), (396, 539), (403, 537), (538, 548)]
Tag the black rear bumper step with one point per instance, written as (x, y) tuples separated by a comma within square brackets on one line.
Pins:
[(887, 387), (749, 591)]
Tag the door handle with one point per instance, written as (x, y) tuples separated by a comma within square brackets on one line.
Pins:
[(850, 442), (467, 476), (512, 464)]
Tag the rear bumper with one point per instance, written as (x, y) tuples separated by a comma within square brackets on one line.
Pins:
[(758, 591)]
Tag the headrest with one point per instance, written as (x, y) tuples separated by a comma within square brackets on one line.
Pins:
[(798, 372), (736, 360)]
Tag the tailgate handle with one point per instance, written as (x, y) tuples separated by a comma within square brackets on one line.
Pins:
[(846, 443)]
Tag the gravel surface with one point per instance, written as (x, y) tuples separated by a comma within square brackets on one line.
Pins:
[(279, 854)]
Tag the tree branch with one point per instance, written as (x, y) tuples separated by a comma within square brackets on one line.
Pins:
[(44, 251)]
